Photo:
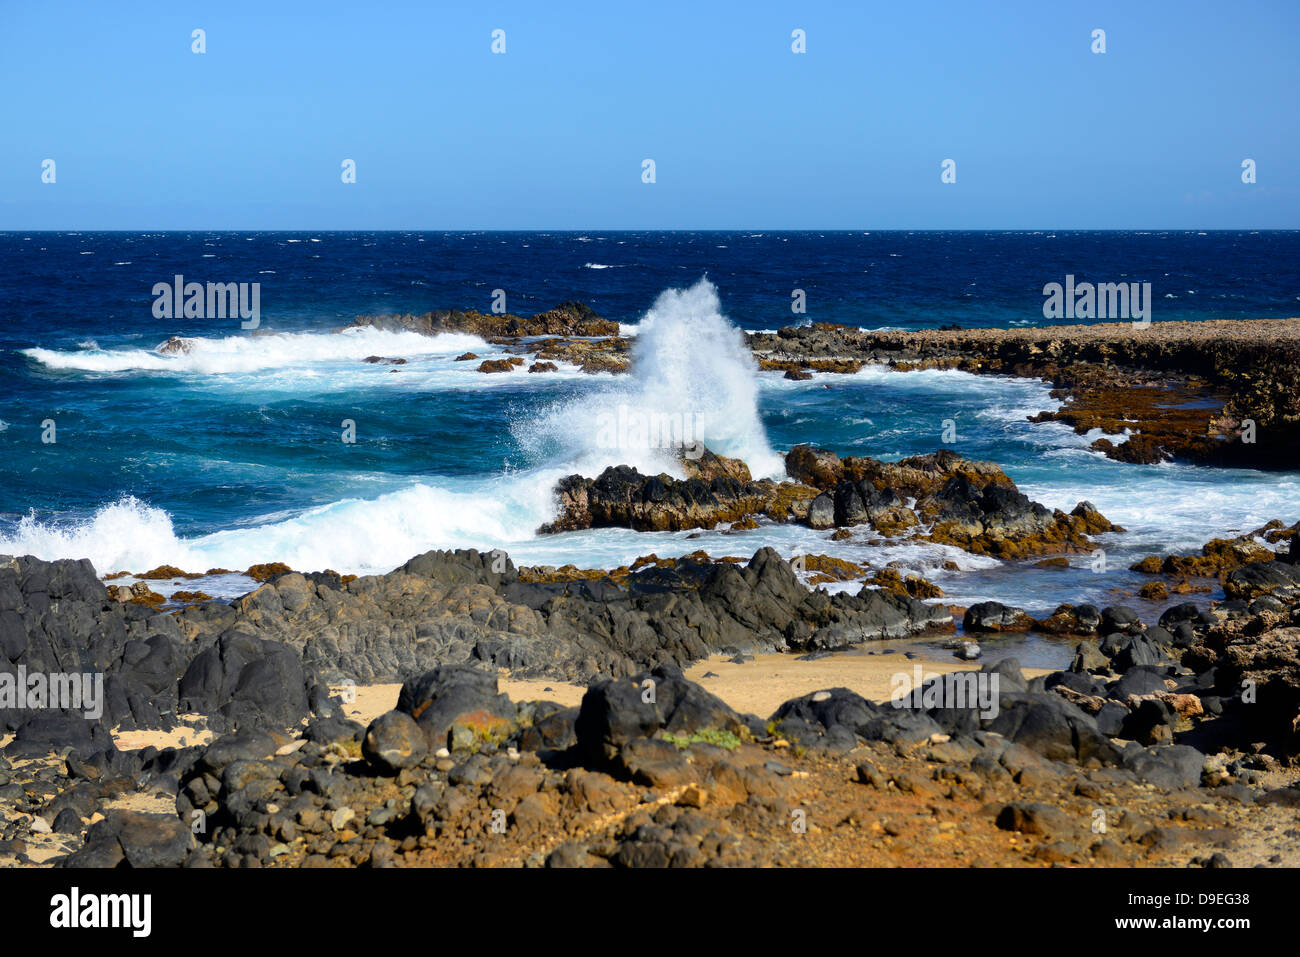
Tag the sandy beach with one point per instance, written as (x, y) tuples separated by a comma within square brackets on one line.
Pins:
[(758, 686)]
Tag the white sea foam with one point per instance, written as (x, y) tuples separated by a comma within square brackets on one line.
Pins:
[(245, 354), (1172, 506)]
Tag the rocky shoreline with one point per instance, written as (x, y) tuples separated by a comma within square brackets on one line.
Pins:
[(1182, 390), (1173, 741), (1180, 736)]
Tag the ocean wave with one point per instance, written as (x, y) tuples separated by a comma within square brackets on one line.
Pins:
[(246, 354), (357, 536)]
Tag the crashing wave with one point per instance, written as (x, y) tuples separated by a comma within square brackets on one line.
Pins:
[(245, 354)]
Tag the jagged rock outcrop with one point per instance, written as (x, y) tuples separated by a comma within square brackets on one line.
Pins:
[(132, 667), (621, 497), (471, 607), (969, 504), (566, 319)]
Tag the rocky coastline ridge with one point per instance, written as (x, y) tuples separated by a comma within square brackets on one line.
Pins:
[(1216, 392)]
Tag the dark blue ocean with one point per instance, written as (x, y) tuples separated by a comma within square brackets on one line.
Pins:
[(232, 454)]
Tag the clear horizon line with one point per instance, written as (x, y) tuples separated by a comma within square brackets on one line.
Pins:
[(659, 229)]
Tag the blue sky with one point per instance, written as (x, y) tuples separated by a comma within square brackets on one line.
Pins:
[(446, 135)]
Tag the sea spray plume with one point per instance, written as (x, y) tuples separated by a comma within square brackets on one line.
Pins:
[(692, 381), (124, 535)]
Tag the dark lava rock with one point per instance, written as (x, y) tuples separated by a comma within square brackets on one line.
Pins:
[(135, 840), (67, 821), (992, 616), (243, 681), (1140, 680), (57, 617), (820, 719), (1029, 817), (1276, 578), (829, 708), (240, 746), (1051, 726), (821, 514), (555, 732), (617, 711), (1132, 651), (336, 728), (56, 731), (1186, 613), (1010, 675), (394, 741), (439, 698), (1150, 722), (1169, 766), (1122, 619), (1081, 681)]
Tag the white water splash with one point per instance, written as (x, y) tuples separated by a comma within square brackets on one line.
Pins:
[(689, 365)]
